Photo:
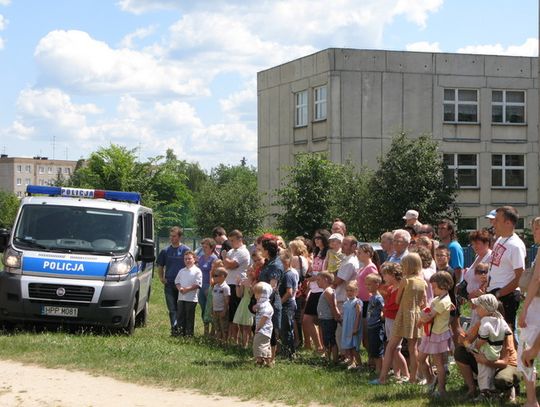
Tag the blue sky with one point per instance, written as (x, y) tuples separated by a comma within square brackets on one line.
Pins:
[(160, 74)]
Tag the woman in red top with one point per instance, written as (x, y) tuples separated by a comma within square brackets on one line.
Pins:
[(392, 275)]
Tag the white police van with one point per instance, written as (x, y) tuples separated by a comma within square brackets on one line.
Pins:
[(78, 256)]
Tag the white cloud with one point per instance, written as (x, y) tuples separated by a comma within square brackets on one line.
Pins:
[(5, 2), (143, 6), (528, 49), (417, 11), (17, 130), (73, 60), (3, 22), (423, 46), (139, 34)]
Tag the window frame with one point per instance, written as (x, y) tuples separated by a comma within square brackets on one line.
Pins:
[(468, 218), (301, 109), (456, 103), (504, 104), (320, 103), (456, 167), (503, 167)]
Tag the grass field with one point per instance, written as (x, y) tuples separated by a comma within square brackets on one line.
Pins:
[(151, 356)]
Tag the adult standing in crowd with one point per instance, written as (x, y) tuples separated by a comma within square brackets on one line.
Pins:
[(312, 339), (401, 240), (339, 227), (222, 243), (447, 235), (411, 218), (272, 273), (170, 261), (236, 261), (480, 242), (347, 271), (205, 261), (507, 263), (387, 245)]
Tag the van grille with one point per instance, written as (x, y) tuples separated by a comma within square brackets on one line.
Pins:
[(72, 292)]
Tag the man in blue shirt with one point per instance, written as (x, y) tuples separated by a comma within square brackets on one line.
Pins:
[(170, 261), (447, 235)]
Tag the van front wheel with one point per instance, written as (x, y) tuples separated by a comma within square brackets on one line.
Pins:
[(129, 328)]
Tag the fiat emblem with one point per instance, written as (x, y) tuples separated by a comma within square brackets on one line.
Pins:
[(60, 292)]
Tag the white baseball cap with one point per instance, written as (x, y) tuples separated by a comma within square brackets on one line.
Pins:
[(336, 236), (491, 214), (411, 214)]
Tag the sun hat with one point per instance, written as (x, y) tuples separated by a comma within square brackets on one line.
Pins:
[(336, 236), (411, 214)]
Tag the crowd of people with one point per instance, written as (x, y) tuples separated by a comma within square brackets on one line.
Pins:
[(403, 304)]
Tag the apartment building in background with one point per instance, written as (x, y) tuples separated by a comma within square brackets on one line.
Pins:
[(482, 109), (18, 172)]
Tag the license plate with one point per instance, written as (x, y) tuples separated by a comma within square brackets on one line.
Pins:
[(59, 311)]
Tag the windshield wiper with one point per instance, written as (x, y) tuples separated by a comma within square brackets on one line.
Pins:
[(31, 243), (91, 251)]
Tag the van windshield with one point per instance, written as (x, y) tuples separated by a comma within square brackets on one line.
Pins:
[(74, 229)]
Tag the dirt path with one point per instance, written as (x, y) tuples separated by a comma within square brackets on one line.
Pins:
[(28, 385)]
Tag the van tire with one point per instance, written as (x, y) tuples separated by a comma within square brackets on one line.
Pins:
[(142, 318), (129, 328)]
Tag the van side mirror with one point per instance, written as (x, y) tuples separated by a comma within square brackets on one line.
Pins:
[(4, 239), (147, 251)]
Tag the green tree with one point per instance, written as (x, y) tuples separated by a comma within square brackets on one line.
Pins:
[(229, 198), (9, 204), (410, 176), (316, 191)]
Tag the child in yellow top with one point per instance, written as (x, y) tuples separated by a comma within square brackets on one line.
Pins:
[(438, 340), (334, 255)]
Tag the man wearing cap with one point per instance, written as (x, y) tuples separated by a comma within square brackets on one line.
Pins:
[(411, 218), (491, 217), (507, 263)]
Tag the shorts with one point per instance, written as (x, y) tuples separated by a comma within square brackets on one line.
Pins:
[(220, 322), (375, 341), (328, 328), (261, 346), (311, 305), (388, 325), (234, 301)]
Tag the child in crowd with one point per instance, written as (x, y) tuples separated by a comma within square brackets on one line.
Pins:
[(328, 314), (221, 293), (411, 299), (392, 275), (374, 319), (263, 324), (287, 292), (188, 281), (208, 317), (493, 329), (334, 255), (352, 325), (243, 317), (442, 259), (257, 263), (369, 259), (481, 279), (438, 341)]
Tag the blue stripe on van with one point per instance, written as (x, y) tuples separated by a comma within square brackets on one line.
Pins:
[(67, 267)]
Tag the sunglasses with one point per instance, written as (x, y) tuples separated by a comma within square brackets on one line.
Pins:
[(476, 271)]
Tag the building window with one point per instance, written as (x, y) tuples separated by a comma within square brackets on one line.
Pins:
[(41, 182), (508, 106), (49, 170), (467, 224), (508, 170), (19, 181), (59, 170), (42, 170), (461, 168), (66, 171), (27, 181), (301, 108), (19, 194), (19, 168), (320, 102), (520, 225), (27, 168), (461, 105)]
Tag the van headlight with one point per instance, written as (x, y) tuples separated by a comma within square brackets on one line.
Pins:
[(12, 260), (121, 266)]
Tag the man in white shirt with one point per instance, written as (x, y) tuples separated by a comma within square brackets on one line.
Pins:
[(348, 271), (507, 263), (236, 262)]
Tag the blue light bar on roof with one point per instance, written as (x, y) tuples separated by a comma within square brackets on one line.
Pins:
[(134, 197)]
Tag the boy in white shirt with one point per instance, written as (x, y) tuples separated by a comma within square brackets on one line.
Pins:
[(263, 324), (188, 282), (221, 292)]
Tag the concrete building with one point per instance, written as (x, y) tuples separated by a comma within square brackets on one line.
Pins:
[(18, 172), (348, 103)]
